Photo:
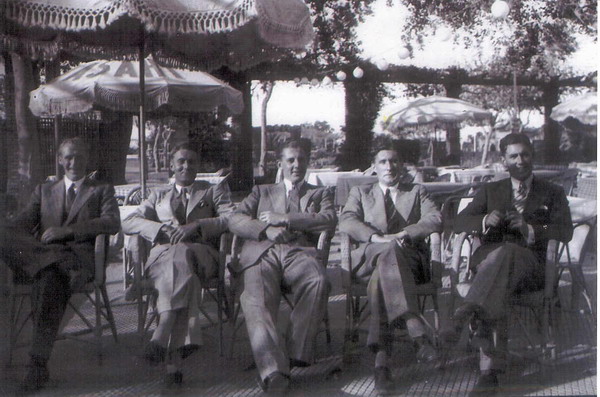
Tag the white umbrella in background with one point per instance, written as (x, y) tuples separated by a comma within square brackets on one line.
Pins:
[(204, 33), (582, 107)]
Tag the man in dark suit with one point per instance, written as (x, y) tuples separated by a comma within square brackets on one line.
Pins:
[(183, 224), (390, 220), (280, 224), (515, 218), (52, 242)]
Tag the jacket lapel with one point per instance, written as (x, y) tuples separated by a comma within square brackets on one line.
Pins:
[(306, 194), (175, 203), (196, 195), (277, 197), (83, 195), (534, 198), (404, 202), (57, 203), (377, 206)]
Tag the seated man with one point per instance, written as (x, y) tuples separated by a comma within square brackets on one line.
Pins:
[(390, 220), (280, 225), (52, 242), (183, 224), (515, 218)]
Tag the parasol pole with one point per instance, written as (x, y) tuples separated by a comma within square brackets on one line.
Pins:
[(142, 118)]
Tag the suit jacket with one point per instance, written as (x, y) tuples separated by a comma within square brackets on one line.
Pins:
[(317, 214), (546, 210), (208, 208), (95, 211), (364, 215)]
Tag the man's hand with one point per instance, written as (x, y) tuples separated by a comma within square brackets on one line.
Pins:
[(386, 238), (273, 218), (182, 233), (57, 234), (278, 234), (494, 218), (516, 222)]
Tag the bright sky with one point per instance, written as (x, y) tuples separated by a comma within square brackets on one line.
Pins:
[(380, 36)]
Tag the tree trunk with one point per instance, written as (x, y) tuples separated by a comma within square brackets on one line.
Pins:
[(268, 89), (242, 177), (453, 90), (27, 141), (114, 146), (363, 100), (551, 127)]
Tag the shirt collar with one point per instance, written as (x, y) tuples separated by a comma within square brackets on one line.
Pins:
[(179, 187), (515, 183), (393, 189), (289, 186), (69, 182)]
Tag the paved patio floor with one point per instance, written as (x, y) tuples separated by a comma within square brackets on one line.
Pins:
[(76, 372)]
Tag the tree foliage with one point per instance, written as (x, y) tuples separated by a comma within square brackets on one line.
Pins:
[(535, 37)]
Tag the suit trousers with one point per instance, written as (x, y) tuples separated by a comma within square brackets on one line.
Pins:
[(175, 271), (297, 271), (49, 297), (391, 293), (502, 270)]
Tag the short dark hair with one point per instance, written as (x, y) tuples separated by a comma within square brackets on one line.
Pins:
[(385, 145), (77, 142), (514, 139), (300, 144), (183, 146)]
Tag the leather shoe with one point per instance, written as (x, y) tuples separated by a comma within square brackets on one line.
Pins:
[(187, 350), (426, 353), (173, 379), (384, 384), (154, 353), (36, 378), (451, 335), (275, 383), (486, 385)]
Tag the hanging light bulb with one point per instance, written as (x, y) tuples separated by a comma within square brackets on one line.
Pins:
[(314, 82), (341, 75), (304, 80), (444, 33), (383, 65), (403, 53), (326, 80), (500, 9), (358, 72)]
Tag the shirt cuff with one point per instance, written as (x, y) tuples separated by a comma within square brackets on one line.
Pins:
[(530, 235), (484, 229)]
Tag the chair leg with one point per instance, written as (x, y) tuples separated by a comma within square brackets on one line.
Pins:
[(220, 301), (109, 314), (327, 329), (98, 327)]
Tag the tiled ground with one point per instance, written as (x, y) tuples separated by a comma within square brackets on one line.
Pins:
[(75, 370)]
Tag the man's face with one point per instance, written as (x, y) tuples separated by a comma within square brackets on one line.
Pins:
[(518, 161), (387, 165), (184, 165), (293, 163), (73, 159)]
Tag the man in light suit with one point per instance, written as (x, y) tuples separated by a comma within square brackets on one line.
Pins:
[(280, 225), (52, 242), (390, 221), (183, 224), (515, 218)]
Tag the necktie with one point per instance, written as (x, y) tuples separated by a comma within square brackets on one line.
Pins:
[(69, 200), (184, 198), (520, 197), (391, 213), (294, 200)]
